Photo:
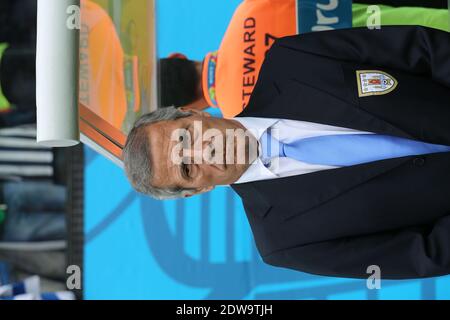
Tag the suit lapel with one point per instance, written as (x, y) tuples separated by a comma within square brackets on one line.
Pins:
[(309, 190), (299, 101)]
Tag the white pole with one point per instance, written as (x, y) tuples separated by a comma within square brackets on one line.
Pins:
[(57, 60)]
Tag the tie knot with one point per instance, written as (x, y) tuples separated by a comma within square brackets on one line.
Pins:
[(270, 147)]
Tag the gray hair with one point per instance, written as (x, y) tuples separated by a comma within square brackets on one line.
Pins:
[(136, 154)]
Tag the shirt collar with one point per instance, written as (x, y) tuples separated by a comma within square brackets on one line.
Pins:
[(257, 126), (257, 170)]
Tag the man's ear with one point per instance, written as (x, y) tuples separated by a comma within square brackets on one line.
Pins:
[(195, 111), (198, 191)]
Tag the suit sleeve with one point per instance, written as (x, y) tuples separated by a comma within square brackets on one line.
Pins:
[(416, 49), (410, 253)]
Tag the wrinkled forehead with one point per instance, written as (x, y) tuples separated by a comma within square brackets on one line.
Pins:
[(161, 133), (160, 144)]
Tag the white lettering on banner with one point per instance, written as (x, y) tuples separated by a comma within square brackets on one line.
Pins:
[(325, 22)]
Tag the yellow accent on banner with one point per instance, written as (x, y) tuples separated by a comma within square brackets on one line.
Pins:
[(4, 103)]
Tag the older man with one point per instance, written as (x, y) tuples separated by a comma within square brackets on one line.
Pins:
[(346, 143)]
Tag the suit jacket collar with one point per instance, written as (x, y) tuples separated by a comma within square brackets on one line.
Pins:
[(299, 101), (297, 194)]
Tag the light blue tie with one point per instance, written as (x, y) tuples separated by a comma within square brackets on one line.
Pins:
[(346, 149)]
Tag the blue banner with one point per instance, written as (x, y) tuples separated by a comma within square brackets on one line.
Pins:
[(321, 15)]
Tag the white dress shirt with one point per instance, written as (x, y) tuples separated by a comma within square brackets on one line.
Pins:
[(285, 131)]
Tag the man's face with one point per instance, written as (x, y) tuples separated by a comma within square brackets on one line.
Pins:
[(199, 152)]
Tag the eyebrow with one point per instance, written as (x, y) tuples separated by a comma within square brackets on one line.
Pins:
[(182, 164), (183, 174)]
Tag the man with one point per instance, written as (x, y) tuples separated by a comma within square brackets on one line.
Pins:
[(226, 77), (362, 173)]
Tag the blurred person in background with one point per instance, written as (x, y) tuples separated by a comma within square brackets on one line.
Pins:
[(18, 22), (33, 203), (32, 207), (18, 85), (226, 77), (17, 62), (22, 159), (32, 177), (27, 170), (33, 211)]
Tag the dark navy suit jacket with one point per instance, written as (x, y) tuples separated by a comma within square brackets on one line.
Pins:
[(392, 213)]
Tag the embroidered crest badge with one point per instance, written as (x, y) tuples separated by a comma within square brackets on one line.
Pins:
[(374, 82)]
